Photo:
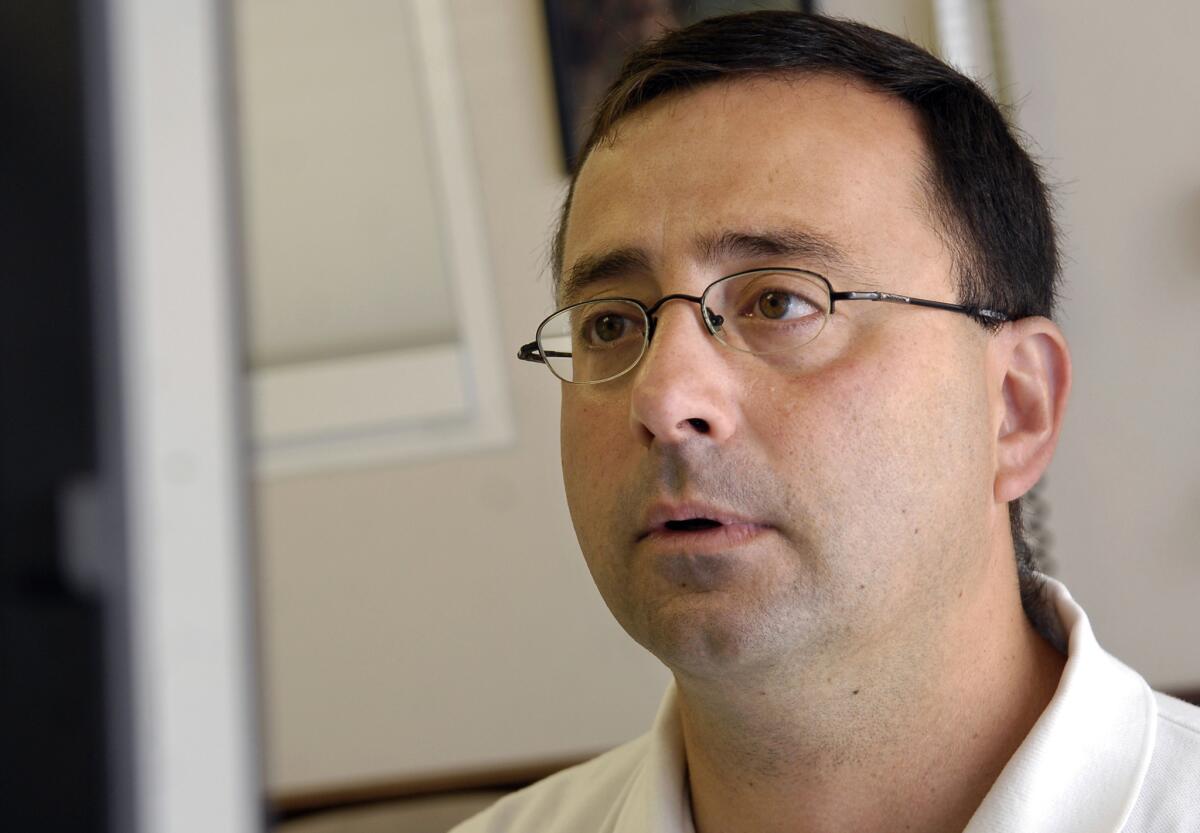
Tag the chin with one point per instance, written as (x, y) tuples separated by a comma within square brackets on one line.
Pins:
[(709, 632)]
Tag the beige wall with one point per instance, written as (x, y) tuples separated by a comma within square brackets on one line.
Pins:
[(1111, 100), (341, 209), (437, 616)]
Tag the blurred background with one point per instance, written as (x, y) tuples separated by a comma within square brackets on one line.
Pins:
[(368, 188)]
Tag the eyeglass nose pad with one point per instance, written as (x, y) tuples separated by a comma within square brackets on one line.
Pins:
[(712, 321)]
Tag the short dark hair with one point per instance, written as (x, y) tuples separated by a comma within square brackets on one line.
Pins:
[(986, 192)]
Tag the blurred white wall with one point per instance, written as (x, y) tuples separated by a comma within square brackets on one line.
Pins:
[(438, 616), (340, 206), (1110, 99)]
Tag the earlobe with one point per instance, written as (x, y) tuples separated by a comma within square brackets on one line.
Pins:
[(1036, 381)]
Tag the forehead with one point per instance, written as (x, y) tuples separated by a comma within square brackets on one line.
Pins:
[(812, 154)]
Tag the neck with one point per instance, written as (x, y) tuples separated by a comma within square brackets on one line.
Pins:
[(910, 738)]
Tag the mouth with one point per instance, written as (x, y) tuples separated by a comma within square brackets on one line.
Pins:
[(691, 524), (696, 523)]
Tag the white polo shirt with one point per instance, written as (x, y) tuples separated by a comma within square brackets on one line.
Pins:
[(1107, 754)]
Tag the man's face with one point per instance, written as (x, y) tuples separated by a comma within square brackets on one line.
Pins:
[(852, 479)]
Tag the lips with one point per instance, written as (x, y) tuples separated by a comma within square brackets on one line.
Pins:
[(692, 524), (664, 520)]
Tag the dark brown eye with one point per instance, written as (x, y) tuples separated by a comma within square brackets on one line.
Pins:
[(609, 328), (775, 305)]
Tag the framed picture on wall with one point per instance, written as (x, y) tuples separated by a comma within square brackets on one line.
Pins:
[(589, 40)]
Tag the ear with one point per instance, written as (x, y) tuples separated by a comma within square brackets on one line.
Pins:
[(1031, 361)]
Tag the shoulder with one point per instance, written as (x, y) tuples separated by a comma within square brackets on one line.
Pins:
[(1177, 741), (1183, 716), (579, 798), (1170, 797)]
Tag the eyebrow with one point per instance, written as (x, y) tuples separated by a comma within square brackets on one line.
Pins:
[(591, 269), (786, 243)]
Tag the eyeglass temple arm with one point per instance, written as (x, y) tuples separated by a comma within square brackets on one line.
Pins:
[(531, 353), (918, 302)]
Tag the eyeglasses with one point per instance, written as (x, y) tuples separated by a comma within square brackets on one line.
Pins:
[(760, 311)]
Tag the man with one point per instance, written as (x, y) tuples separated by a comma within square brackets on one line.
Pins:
[(805, 278)]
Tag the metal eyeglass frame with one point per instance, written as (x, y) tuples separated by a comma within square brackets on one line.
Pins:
[(532, 352)]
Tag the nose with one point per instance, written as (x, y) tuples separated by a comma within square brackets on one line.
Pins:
[(684, 387)]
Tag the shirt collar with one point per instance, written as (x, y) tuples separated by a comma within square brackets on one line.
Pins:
[(1082, 765), (659, 801)]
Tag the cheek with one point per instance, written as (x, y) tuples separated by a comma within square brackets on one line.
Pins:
[(594, 480), (884, 433), (589, 432)]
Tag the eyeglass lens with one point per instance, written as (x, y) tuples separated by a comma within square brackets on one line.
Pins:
[(756, 312), (595, 340)]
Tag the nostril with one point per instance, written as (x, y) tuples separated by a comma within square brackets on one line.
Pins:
[(700, 425)]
